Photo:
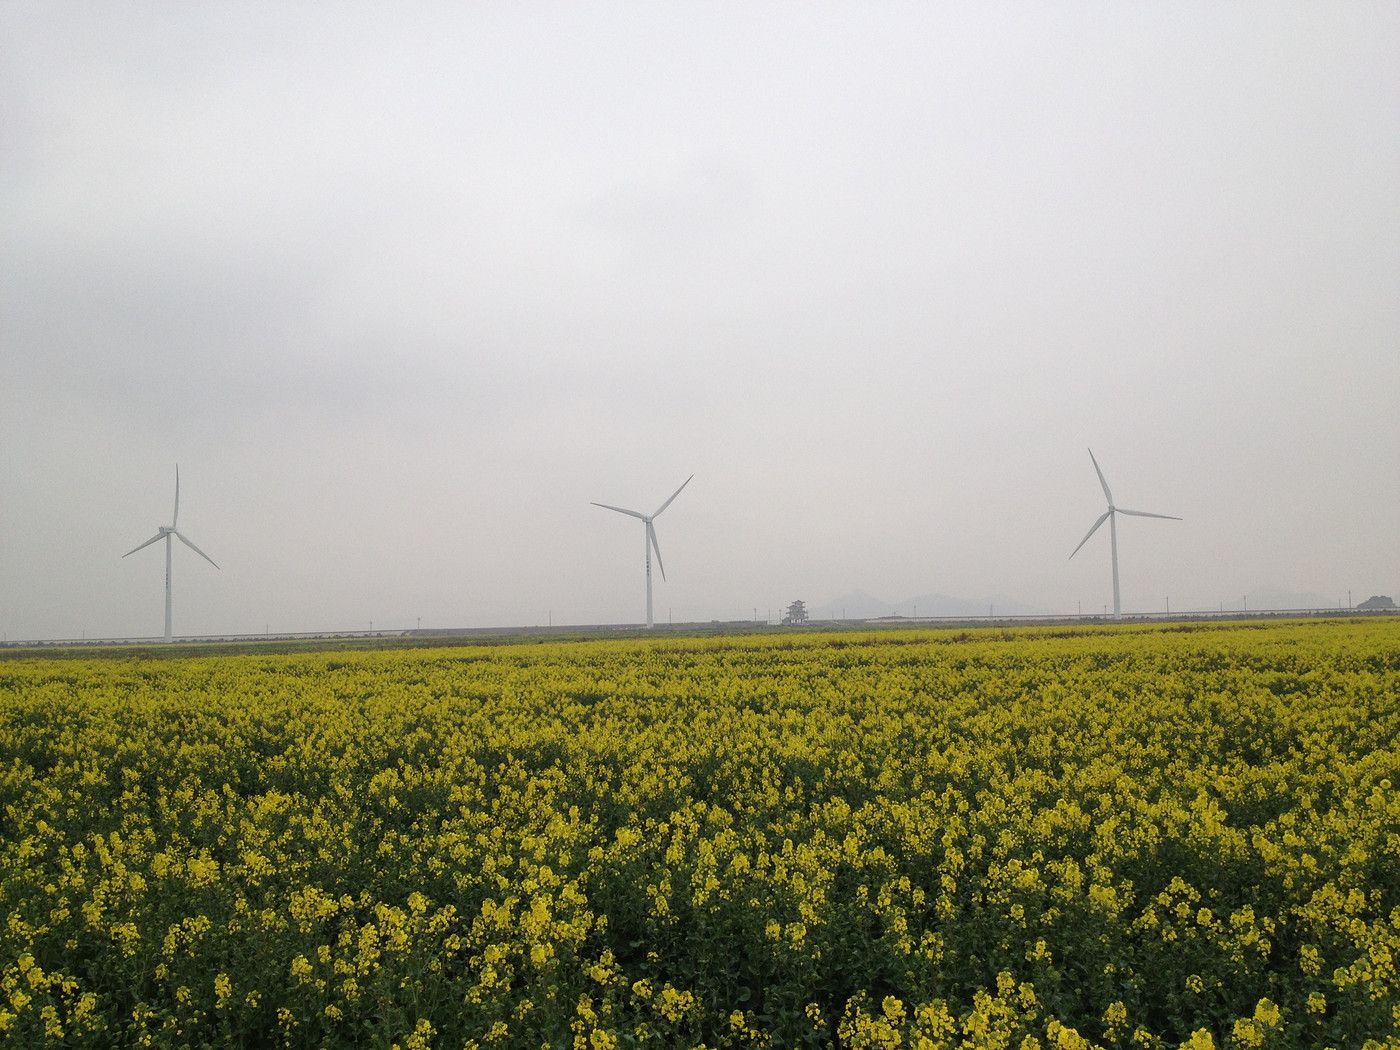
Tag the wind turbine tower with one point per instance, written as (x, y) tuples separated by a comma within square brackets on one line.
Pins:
[(164, 532), (649, 538), (1111, 515)]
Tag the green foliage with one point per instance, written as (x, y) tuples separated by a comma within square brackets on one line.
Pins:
[(1149, 838)]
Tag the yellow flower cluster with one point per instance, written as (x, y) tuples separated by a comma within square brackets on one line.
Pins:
[(1148, 837)]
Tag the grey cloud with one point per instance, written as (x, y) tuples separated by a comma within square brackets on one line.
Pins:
[(422, 282)]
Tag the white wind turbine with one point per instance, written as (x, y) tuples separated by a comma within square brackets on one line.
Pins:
[(649, 540), (164, 532), (1112, 516)]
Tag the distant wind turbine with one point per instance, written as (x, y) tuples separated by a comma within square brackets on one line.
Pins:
[(649, 540), (164, 532), (1111, 515)]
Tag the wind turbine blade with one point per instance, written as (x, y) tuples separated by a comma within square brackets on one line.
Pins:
[(1102, 482), (174, 518), (1145, 514), (673, 495), (133, 550), (1102, 518), (651, 535), (621, 510), (181, 537)]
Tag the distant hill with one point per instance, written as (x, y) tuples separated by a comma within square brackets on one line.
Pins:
[(858, 605)]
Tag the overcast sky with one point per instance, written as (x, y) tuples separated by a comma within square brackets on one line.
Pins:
[(402, 288)]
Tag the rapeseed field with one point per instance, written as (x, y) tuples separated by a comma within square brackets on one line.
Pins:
[(1123, 837)]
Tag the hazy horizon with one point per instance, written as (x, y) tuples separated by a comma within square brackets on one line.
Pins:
[(403, 290)]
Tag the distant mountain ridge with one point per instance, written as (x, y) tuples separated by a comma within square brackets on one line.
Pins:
[(858, 605)]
